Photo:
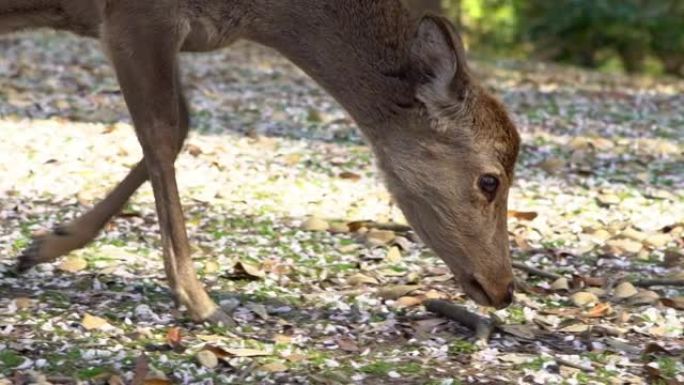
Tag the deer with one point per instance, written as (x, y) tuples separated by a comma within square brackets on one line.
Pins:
[(446, 147)]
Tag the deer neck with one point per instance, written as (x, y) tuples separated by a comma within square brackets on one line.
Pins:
[(356, 50)]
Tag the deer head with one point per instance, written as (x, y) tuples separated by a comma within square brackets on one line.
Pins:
[(450, 165)]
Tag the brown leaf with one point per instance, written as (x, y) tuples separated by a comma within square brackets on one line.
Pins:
[(349, 175), (379, 237), (580, 281), (408, 301), (357, 225), (211, 267), (141, 370), (522, 215), (560, 284), (315, 224), (598, 311), (229, 353), (393, 254), (73, 264), (282, 339), (552, 165), (396, 291), (292, 159), (247, 270), (23, 303), (193, 149), (644, 297), (625, 290), (273, 367), (583, 298), (654, 348), (359, 279), (575, 328), (174, 337), (91, 322), (674, 302), (295, 357), (207, 359), (673, 258), (347, 344)]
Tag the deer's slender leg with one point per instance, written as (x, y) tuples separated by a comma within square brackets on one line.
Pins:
[(82, 230), (145, 60)]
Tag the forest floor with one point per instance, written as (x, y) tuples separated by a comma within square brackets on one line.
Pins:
[(598, 201)]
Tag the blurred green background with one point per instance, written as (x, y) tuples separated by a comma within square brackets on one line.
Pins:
[(634, 36)]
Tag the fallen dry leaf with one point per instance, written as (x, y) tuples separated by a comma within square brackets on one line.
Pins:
[(239, 352), (408, 301), (552, 165), (361, 279), (207, 359), (247, 270), (347, 344), (393, 254), (174, 337), (377, 237), (674, 302), (73, 264), (583, 298), (350, 175), (396, 291), (23, 303), (315, 224), (273, 367), (522, 215), (600, 310), (91, 322), (625, 290), (560, 284)]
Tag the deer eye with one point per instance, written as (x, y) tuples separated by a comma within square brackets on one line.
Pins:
[(489, 184)]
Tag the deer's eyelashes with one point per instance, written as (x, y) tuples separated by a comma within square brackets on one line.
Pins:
[(489, 185)]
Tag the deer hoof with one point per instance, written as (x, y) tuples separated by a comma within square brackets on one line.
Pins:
[(35, 253), (220, 317), (29, 257)]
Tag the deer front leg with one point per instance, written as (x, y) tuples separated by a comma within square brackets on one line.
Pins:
[(144, 58), (76, 234)]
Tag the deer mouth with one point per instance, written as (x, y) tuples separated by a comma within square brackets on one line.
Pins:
[(498, 299)]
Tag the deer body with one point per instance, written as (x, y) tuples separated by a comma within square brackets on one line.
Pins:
[(446, 147)]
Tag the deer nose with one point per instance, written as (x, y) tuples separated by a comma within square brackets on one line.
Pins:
[(498, 296), (509, 295)]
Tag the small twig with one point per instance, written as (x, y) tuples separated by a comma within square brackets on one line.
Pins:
[(575, 365), (659, 282), (534, 271), (482, 326)]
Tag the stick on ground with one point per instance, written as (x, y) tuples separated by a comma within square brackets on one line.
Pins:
[(482, 326)]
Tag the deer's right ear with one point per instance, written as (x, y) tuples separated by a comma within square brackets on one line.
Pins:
[(438, 59)]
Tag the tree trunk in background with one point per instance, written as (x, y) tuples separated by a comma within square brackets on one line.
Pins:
[(420, 7)]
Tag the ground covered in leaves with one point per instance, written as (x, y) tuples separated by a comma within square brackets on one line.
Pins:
[(271, 178)]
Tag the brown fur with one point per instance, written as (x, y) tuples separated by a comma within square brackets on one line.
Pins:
[(434, 130)]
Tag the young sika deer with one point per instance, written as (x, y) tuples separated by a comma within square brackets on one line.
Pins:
[(447, 148)]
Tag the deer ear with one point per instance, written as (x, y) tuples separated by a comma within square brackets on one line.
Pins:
[(439, 62)]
